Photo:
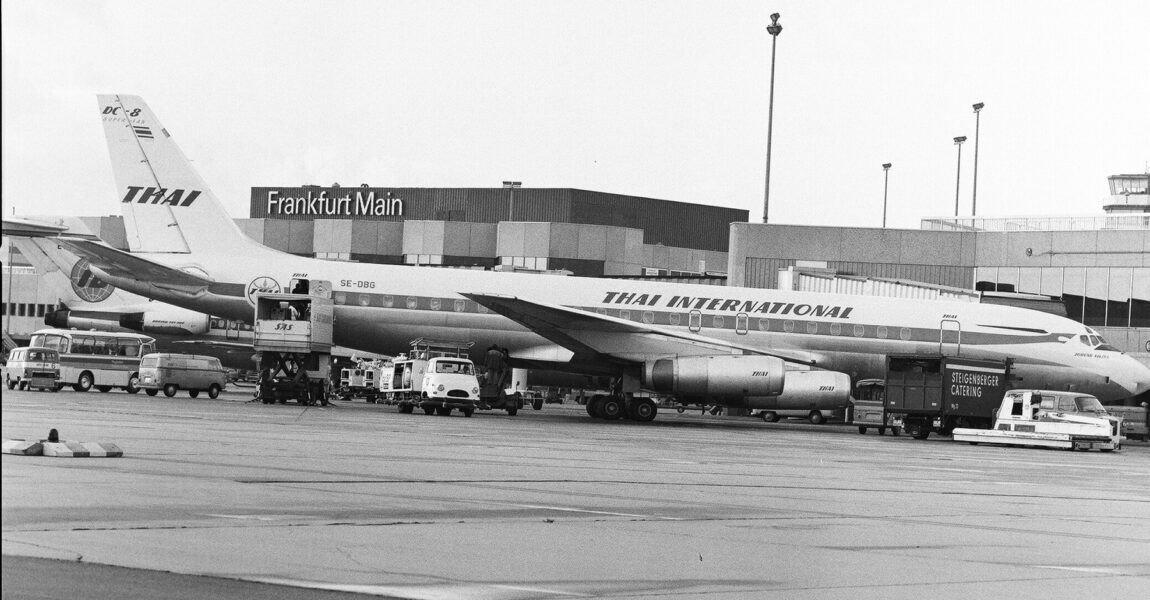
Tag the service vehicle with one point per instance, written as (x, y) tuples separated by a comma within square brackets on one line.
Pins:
[(1049, 419), (868, 408), (33, 368), (293, 339), (934, 392), (99, 359), (435, 376), (189, 372), (1135, 421), (363, 380)]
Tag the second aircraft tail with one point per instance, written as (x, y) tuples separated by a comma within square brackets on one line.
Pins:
[(167, 206)]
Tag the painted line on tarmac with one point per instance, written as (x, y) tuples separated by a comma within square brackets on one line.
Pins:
[(427, 592), (594, 512)]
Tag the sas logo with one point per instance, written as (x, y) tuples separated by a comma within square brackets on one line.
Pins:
[(152, 195), (262, 285), (86, 285)]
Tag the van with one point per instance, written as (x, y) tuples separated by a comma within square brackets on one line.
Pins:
[(174, 372), (33, 367)]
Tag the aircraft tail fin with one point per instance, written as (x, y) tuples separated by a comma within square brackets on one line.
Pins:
[(167, 206)]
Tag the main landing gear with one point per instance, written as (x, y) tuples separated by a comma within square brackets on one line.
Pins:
[(625, 406)]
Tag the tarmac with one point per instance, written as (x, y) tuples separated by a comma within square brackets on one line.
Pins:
[(229, 498)]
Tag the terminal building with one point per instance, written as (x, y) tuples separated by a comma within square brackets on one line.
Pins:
[(1096, 269)]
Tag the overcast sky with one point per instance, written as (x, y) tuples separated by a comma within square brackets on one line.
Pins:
[(658, 98)]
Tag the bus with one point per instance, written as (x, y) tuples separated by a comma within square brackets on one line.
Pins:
[(97, 359)]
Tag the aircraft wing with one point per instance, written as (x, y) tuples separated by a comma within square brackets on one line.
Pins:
[(586, 333), (117, 263)]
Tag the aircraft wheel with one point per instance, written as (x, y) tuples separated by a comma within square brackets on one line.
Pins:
[(770, 416), (151, 392), (817, 417), (170, 390), (214, 391), (594, 404), (643, 409), (612, 408)]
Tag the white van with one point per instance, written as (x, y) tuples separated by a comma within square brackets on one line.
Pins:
[(173, 372), (33, 367)]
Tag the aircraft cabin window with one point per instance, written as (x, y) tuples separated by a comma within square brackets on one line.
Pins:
[(435, 304), (717, 321), (625, 315), (460, 305), (695, 320), (789, 326), (764, 324), (648, 316), (904, 334), (364, 300), (882, 331), (675, 318), (741, 321), (836, 328), (388, 301), (859, 330), (812, 327), (412, 302)]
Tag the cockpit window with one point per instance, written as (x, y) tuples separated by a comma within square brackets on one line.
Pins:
[(1096, 342)]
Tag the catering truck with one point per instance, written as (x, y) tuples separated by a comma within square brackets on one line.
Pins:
[(933, 392)]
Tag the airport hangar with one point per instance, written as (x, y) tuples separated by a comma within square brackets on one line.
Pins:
[(1098, 267)]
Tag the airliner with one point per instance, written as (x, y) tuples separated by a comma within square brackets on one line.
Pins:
[(703, 344)]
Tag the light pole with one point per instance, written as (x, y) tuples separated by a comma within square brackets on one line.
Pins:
[(974, 196), (885, 181), (774, 29), (511, 185), (958, 175)]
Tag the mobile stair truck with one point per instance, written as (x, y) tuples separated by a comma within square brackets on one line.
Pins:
[(293, 338), (435, 376), (1036, 418), (934, 392)]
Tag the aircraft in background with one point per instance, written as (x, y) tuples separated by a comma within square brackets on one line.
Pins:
[(704, 344)]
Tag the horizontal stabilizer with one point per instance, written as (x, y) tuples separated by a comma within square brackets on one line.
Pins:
[(123, 265)]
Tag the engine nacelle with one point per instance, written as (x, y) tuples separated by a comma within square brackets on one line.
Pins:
[(175, 322), (808, 390), (715, 377)]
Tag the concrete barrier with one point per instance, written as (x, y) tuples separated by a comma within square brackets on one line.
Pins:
[(82, 449), (23, 447)]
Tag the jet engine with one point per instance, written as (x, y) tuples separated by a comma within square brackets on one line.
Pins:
[(714, 377), (174, 322), (808, 390), (181, 323)]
